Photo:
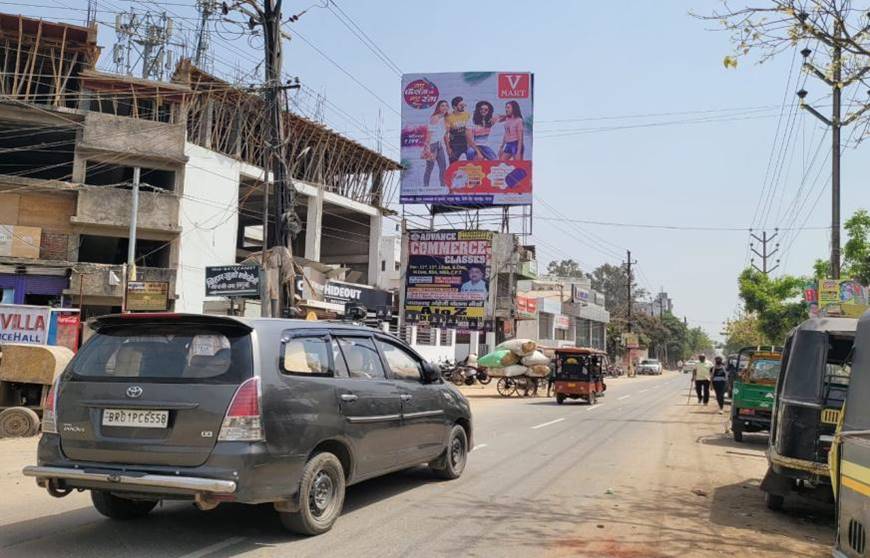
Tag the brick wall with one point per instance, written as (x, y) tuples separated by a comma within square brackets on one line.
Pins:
[(54, 246)]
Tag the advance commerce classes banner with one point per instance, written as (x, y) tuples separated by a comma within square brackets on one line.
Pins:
[(447, 281), (467, 138)]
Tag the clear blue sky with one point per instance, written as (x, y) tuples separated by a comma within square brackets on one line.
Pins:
[(590, 61)]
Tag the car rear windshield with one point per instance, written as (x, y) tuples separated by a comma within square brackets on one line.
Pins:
[(181, 353)]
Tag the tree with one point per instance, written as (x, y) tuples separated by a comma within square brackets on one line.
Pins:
[(744, 331), (564, 268), (775, 301), (769, 27), (856, 251), (611, 281)]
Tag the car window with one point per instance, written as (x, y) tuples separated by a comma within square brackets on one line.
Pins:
[(361, 357), (402, 365), (167, 352), (307, 355)]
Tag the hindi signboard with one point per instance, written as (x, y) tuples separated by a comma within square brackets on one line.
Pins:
[(447, 280), (467, 138), (147, 296), (232, 280), (24, 324), (527, 307)]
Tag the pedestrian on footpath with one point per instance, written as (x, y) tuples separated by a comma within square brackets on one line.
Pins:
[(719, 378), (701, 377)]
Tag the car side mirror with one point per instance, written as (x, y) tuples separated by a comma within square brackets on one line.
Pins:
[(431, 372)]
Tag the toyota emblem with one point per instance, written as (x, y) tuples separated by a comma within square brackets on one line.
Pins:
[(134, 391)]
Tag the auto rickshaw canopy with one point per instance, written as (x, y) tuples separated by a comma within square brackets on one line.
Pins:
[(815, 345), (857, 411), (32, 364)]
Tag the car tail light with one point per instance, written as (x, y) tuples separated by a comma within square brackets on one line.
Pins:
[(49, 409), (242, 422)]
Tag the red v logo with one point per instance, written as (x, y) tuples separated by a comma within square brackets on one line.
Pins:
[(514, 80)]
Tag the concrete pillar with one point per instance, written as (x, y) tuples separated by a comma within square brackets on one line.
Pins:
[(474, 343), (375, 233), (314, 226)]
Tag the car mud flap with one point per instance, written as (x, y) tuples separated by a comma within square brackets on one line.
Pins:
[(774, 483)]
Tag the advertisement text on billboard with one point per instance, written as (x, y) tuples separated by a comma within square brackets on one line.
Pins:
[(467, 138), (448, 278)]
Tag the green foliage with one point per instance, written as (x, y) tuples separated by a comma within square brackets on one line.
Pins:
[(775, 301), (564, 268), (611, 281), (743, 332), (856, 252)]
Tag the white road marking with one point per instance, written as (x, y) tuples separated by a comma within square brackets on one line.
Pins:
[(547, 423), (624, 397), (213, 548), (593, 407), (644, 390), (479, 446)]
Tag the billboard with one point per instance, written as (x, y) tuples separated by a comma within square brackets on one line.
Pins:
[(339, 292), (448, 278), (467, 138)]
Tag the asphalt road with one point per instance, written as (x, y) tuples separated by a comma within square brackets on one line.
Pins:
[(639, 474)]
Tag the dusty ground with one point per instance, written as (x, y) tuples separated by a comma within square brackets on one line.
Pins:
[(642, 474)]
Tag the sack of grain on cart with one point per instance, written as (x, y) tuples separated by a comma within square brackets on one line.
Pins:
[(517, 357)]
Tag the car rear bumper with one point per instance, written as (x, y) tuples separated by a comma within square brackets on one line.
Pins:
[(127, 481)]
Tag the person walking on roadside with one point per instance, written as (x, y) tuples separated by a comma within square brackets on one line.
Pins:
[(719, 379), (701, 377)]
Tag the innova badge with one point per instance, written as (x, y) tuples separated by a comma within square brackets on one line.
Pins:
[(134, 392)]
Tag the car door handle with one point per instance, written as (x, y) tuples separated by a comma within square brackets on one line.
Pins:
[(349, 397), (406, 396)]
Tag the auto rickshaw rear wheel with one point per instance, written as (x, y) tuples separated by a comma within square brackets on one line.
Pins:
[(737, 430), (560, 398), (18, 422)]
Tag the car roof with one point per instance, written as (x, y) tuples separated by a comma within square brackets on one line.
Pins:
[(259, 324), (827, 324)]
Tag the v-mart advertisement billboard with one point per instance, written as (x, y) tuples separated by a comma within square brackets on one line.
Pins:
[(467, 138)]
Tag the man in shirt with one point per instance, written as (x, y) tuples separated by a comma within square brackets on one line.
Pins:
[(701, 377), (456, 124), (476, 282)]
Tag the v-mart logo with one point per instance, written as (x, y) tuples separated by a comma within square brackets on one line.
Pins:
[(514, 86)]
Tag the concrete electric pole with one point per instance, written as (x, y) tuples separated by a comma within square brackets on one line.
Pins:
[(628, 264), (836, 122)]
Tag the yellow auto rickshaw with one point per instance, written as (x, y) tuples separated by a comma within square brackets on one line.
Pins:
[(26, 375)]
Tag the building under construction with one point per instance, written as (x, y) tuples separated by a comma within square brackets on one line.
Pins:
[(72, 138)]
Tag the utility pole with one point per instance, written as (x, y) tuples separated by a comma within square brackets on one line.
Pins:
[(130, 266), (206, 9), (836, 122), (765, 253), (628, 264)]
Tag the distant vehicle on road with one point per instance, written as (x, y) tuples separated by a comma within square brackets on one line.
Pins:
[(579, 373), (650, 366), (689, 366), (218, 409), (753, 391)]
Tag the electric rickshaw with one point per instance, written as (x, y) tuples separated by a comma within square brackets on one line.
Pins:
[(850, 454), (753, 390), (809, 394), (579, 373)]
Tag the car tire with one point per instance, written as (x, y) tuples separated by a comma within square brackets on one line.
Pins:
[(123, 509), (452, 462), (321, 496), (18, 422), (774, 501), (737, 430)]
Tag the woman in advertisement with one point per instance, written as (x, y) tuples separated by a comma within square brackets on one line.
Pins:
[(433, 148), (478, 132), (512, 142)]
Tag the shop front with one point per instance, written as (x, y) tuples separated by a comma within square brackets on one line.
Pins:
[(42, 290)]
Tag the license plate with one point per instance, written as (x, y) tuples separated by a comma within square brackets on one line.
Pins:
[(135, 418), (746, 411)]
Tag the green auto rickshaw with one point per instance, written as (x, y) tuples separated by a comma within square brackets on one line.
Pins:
[(753, 390), (850, 454), (809, 394)]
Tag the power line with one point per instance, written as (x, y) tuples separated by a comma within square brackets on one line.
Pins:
[(669, 227), (351, 25)]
